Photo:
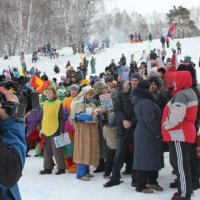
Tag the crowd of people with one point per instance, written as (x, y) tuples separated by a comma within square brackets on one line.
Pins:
[(155, 109)]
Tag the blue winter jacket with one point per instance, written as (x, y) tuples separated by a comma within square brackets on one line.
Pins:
[(13, 134)]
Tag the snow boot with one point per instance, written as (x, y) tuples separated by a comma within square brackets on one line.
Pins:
[(112, 182), (46, 171), (101, 167), (60, 171)]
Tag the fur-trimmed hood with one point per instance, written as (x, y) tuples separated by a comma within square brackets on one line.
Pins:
[(139, 94), (126, 87)]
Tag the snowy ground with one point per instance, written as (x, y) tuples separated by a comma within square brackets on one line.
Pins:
[(53, 187)]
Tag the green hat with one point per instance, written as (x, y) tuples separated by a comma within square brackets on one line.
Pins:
[(187, 59)]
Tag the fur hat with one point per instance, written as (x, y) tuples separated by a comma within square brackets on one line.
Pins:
[(136, 75), (156, 80), (144, 84), (99, 87)]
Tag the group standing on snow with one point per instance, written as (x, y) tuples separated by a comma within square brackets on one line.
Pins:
[(155, 109)]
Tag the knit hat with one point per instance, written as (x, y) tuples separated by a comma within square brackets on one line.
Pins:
[(99, 87), (74, 87), (144, 84), (187, 59), (136, 75)]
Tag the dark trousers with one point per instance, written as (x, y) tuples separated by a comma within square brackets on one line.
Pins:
[(110, 154), (129, 159), (194, 163), (142, 178), (180, 158), (120, 156), (50, 150)]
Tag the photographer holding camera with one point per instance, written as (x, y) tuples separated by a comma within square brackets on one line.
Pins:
[(12, 149)]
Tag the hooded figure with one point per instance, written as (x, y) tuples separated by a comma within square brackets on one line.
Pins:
[(178, 129), (148, 154)]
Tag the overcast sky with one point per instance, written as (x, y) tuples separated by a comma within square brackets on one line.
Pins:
[(148, 6)]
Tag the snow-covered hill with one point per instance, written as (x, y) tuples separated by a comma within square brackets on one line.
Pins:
[(190, 46)]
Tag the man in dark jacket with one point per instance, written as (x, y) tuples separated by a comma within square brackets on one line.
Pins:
[(126, 123), (162, 40), (123, 60), (12, 151)]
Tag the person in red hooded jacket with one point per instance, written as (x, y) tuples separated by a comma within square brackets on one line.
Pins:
[(178, 129)]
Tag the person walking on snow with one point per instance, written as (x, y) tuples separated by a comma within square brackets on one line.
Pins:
[(92, 64)]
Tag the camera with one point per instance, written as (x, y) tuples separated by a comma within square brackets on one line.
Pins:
[(28, 98)]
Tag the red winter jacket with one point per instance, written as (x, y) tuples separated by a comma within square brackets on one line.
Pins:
[(179, 115), (168, 75)]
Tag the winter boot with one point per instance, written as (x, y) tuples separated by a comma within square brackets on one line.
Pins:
[(60, 171), (155, 187), (147, 190), (174, 184), (101, 167), (112, 182), (177, 196), (46, 171), (133, 184)]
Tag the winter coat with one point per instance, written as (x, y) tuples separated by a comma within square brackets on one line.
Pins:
[(180, 113), (93, 62), (153, 55), (163, 53), (110, 135), (148, 154), (32, 120), (124, 110), (102, 121), (123, 60), (80, 75), (12, 154), (168, 75), (86, 140), (178, 44), (162, 40)]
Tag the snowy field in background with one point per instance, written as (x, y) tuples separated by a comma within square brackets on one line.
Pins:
[(51, 187), (190, 46)]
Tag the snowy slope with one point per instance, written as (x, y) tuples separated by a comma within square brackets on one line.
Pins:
[(51, 187), (190, 46)]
